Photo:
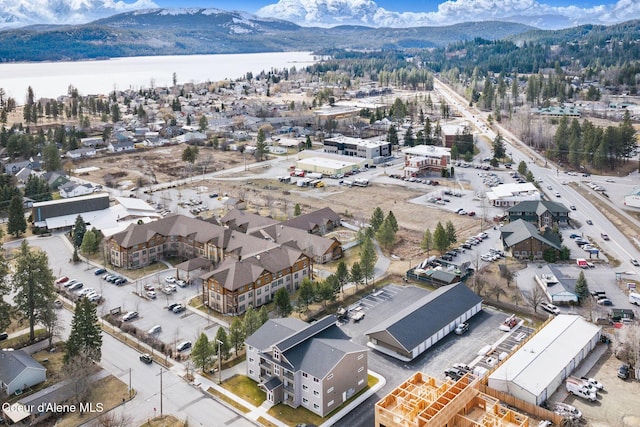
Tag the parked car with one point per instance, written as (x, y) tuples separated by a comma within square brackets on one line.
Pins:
[(151, 294), (62, 280), (70, 283), (99, 271), (462, 328), (181, 283), (574, 236), (589, 222), (635, 262), (120, 281), (146, 358), (148, 287), (170, 279), (550, 308), (572, 207), (594, 382), (179, 308), (605, 301), (155, 330), (76, 286), (185, 345), (94, 297), (4, 336), (130, 316), (623, 371), (171, 306)]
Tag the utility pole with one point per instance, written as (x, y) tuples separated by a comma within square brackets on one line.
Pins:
[(161, 371), (130, 389)]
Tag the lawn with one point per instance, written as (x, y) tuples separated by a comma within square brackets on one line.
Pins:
[(228, 400), (164, 421), (246, 389), (109, 391)]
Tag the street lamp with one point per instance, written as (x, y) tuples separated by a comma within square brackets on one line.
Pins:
[(219, 362)]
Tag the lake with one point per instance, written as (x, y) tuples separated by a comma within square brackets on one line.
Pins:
[(52, 79)]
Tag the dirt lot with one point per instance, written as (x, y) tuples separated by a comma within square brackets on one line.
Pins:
[(617, 405)]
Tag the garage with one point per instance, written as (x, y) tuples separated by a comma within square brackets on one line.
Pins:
[(538, 368), (414, 329)]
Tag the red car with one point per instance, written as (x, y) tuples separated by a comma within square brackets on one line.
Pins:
[(62, 280), (471, 213)]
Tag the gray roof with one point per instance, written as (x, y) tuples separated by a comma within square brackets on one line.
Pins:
[(311, 244), (417, 322), (521, 230), (273, 331), (13, 363), (539, 207), (247, 222), (319, 218), (306, 333), (272, 383)]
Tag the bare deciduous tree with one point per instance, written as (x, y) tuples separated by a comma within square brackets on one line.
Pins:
[(535, 297), (78, 371)]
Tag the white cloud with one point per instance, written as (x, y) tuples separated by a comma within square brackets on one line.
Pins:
[(367, 12)]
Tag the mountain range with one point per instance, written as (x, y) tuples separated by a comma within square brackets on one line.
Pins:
[(209, 31)]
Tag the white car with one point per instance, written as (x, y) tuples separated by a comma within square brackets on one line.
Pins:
[(86, 291), (170, 279), (94, 297), (181, 283), (155, 330), (550, 308), (593, 382), (151, 294)]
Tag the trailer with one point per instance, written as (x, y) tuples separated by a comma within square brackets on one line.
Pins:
[(361, 182), (634, 298), (314, 175)]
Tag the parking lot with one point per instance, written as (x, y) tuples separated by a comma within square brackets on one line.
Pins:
[(175, 327)]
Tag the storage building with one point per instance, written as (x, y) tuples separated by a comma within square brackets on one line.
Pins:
[(539, 367), (414, 329)]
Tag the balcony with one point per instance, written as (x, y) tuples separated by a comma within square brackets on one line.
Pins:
[(288, 375)]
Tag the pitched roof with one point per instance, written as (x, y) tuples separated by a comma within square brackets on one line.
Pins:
[(521, 230), (432, 312), (176, 225), (273, 331), (233, 274), (237, 219), (539, 207), (311, 244), (13, 363), (318, 218)]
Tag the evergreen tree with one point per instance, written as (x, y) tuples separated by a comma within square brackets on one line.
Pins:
[(51, 157), (90, 243), (236, 334), (5, 290), (37, 189), (392, 221), (498, 147), (392, 136), (251, 321), (203, 123), (282, 303), (376, 219), (17, 224), (33, 284), (263, 315), (451, 233), (115, 113), (342, 274), (222, 343), (190, 154), (296, 210), (79, 228), (86, 335), (385, 235), (582, 288), (368, 259), (204, 351), (305, 293), (356, 275), (308, 144), (261, 145), (427, 241), (409, 140), (440, 238)]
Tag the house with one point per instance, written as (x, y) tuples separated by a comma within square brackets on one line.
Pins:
[(558, 288), (55, 179), (538, 368), (318, 222), (253, 281), (81, 152), (91, 142), (72, 189), (23, 176), (524, 240), (19, 371), (315, 366), (542, 213), (14, 168), (120, 146), (438, 313), (320, 249)]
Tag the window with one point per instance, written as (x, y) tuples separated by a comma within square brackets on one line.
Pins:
[(361, 357), (330, 390), (315, 380), (305, 400), (305, 375), (360, 382), (316, 392), (251, 360), (305, 387), (330, 376), (276, 354), (276, 370), (331, 403), (361, 368), (259, 292), (315, 406), (250, 371)]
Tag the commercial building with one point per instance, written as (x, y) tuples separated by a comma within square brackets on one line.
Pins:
[(538, 368), (633, 199), (524, 240), (423, 401), (507, 195), (315, 365), (542, 213), (371, 149), (329, 166), (437, 315), (558, 288), (423, 159)]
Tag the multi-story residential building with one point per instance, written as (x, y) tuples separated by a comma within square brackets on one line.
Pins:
[(311, 365), (237, 284)]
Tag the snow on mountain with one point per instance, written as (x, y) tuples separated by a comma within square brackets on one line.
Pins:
[(329, 13), (17, 13)]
